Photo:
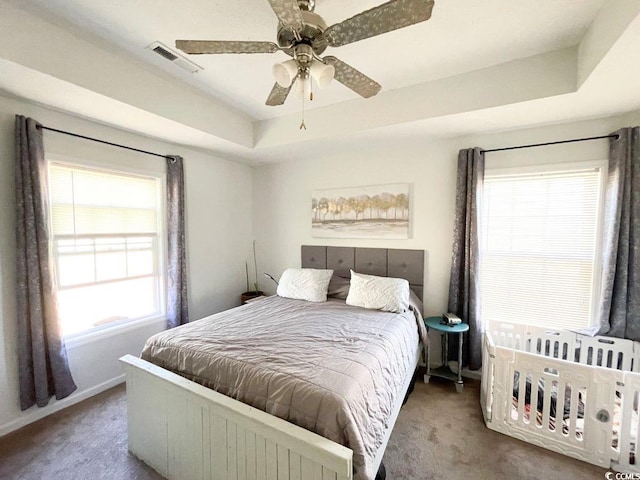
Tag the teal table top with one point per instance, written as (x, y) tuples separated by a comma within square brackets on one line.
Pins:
[(435, 323)]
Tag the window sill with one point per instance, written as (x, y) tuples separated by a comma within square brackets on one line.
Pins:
[(97, 334)]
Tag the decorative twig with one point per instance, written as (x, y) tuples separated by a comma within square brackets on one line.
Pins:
[(255, 266)]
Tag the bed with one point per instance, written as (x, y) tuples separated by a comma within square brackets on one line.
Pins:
[(571, 393), (337, 373)]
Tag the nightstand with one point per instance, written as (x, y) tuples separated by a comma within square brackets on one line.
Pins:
[(435, 323), (246, 297), (256, 299)]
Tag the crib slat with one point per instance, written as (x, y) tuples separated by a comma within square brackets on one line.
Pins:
[(533, 405), (522, 393), (573, 414), (546, 412)]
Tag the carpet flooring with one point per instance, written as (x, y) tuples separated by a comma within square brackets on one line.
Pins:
[(439, 435)]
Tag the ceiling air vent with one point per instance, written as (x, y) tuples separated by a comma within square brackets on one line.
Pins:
[(174, 57)]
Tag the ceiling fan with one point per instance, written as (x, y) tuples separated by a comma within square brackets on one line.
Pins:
[(304, 35)]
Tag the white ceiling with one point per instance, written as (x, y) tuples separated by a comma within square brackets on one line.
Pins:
[(497, 61)]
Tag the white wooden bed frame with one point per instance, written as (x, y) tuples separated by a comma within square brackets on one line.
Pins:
[(186, 431)]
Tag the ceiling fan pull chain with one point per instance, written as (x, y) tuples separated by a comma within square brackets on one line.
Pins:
[(302, 125)]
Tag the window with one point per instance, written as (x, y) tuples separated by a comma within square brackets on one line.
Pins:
[(539, 239), (106, 245)]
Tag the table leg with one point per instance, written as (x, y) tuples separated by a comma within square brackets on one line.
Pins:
[(461, 336), (445, 349), (427, 375)]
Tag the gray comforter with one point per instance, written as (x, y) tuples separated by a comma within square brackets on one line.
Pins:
[(330, 368)]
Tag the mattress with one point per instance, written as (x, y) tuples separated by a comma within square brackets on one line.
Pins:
[(328, 367)]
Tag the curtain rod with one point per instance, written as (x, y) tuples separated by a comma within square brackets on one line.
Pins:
[(42, 127), (616, 136)]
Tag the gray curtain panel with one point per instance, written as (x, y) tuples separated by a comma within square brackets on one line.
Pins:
[(620, 297), (42, 356), (464, 286), (177, 308)]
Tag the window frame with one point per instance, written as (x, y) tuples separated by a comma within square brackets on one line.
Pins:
[(550, 168), (107, 330)]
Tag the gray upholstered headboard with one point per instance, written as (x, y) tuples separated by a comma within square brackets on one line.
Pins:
[(383, 262)]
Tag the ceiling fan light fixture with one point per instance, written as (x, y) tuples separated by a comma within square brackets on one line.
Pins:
[(285, 72), (323, 74)]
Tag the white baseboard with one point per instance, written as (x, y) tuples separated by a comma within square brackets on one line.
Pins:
[(34, 413)]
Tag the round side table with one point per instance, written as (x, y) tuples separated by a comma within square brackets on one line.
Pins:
[(435, 323)]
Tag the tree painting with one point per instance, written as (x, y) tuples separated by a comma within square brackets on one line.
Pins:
[(380, 211)]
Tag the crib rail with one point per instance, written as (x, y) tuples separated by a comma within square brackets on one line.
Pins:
[(533, 405), (543, 341), (607, 352), (604, 351), (567, 392)]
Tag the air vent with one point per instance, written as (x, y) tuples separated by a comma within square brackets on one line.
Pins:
[(174, 57), (165, 53)]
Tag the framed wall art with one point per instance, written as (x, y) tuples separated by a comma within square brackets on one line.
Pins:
[(378, 211)]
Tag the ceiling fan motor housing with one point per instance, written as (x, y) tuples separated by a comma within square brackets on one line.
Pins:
[(311, 33)]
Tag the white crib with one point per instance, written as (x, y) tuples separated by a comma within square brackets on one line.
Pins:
[(574, 394)]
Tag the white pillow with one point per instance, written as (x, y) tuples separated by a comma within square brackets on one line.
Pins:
[(305, 284), (379, 293)]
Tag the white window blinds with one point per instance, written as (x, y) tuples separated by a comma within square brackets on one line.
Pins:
[(106, 245), (539, 236), (90, 202)]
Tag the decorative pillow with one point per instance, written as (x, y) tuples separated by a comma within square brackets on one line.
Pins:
[(379, 293), (338, 287), (305, 284)]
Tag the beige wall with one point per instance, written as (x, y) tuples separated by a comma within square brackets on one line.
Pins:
[(282, 192), (229, 203), (219, 232)]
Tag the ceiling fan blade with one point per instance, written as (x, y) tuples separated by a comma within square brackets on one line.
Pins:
[(278, 95), (381, 19), (195, 47), (352, 78), (288, 13)]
